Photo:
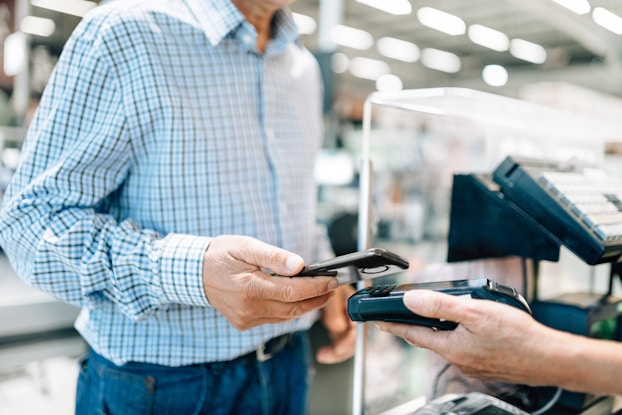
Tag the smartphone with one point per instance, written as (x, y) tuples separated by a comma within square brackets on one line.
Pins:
[(371, 263), (385, 303)]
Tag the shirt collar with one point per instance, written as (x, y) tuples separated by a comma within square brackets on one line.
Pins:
[(219, 18), (285, 29)]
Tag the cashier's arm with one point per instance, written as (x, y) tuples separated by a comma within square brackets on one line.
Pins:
[(494, 341)]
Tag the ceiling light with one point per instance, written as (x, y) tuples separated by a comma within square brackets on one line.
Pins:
[(489, 38), (389, 83), (577, 6), (339, 62), (396, 7), (441, 21), (74, 7), (334, 167), (398, 49), (367, 68), (306, 24), (608, 20), (37, 26), (440, 60), (527, 51), (15, 57), (351, 37), (495, 75)]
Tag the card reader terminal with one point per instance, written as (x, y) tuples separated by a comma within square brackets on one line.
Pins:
[(384, 303)]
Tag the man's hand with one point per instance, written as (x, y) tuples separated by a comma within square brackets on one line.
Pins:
[(495, 341), (341, 329), (237, 285), (492, 340)]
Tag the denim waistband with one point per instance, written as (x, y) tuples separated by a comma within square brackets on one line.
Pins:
[(263, 353)]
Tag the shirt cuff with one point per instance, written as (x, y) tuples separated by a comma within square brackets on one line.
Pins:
[(180, 267)]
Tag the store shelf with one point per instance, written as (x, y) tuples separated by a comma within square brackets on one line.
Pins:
[(33, 325)]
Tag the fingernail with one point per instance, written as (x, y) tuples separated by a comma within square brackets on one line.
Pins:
[(293, 263), (333, 284)]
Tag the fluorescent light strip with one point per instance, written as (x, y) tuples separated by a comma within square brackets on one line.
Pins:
[(441, 21), (608, 20), (395, 7), (489, 38), (398, 49), (527, 51), (366, 68), (440, 60), (37, 26), (388, 83), (15, 56), (306, 24), (576, 6), (74, 7), (339, 62), (495, 75), (351, 37)]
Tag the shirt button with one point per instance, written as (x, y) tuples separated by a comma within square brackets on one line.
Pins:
[(270, 134)]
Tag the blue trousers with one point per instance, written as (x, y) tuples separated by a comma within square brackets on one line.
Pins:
[(246, 385)]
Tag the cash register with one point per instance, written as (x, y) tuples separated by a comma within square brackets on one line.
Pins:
[(530, 208)]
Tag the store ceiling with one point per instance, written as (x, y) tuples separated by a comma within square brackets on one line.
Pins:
[(578, 50)]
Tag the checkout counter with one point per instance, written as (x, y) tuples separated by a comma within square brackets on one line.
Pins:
[(412, 145)]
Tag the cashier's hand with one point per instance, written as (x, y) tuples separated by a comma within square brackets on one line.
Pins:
[(236, 285), (493, 341), (341, 329)]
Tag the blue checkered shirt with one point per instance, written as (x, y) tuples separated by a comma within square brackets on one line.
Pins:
[(161, 127)]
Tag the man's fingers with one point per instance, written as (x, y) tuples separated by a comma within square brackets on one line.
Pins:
[(417, 336), (266, 256), (341, 349), (290, 290), (433, 304), (401, 330), (236, 284), (429, 304), (266, 312), (335, 314)]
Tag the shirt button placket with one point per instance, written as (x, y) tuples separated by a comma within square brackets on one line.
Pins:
[(270, 135)]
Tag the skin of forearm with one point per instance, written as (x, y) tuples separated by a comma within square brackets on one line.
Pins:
[(580, 363)]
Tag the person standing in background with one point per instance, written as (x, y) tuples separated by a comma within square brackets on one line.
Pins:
[(166, 176)]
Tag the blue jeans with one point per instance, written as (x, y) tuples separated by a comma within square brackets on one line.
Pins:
[(279, 385)]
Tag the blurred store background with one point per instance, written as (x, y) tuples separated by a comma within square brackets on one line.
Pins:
[(565, 54)]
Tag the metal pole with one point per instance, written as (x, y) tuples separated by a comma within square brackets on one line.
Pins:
[(331, 14), (21, 83), (365, 223)]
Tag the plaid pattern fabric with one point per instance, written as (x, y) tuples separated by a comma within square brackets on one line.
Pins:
[(160, 128)]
